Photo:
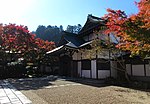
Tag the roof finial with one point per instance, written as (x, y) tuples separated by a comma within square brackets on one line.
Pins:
[(89, 15)]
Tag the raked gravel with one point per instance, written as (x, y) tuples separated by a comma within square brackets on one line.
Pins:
[(68, 92)]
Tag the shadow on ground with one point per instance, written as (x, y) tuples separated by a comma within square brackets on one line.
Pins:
[(31, 83), (39, 83), (89, 82), (135, 85)]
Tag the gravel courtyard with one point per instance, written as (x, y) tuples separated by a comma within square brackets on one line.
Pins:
[(60, 91)]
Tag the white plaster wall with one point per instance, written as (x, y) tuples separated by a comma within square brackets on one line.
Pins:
[(128, 68), (93, 66), (94, 36), (147, 69), (138, 70), (93, 54), (103, 74), (79, 56), (87, 55), (86, 73), (79, 68), (103, 54), (113, 66), (75, 56)]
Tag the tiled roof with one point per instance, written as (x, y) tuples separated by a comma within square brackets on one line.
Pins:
[(71, 39), (74, 41), (91, 23)]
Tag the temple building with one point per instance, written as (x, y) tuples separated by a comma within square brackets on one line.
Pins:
[(74, 61)]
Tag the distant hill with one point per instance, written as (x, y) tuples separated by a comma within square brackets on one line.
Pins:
[(54, 33)]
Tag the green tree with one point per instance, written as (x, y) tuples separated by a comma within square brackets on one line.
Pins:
[(50, 33), (74, 29)]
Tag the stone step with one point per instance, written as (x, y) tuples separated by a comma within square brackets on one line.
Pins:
[(10, 95)]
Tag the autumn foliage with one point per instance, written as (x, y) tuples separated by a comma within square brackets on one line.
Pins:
[(132, 31), (44, 45), (18, 39)]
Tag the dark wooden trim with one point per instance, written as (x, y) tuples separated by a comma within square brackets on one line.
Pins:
[(75, 68), (103, 69), (131, 69), (81, 65), (76, 60), (144, 69), (96, 66), (96, 70), (96, 54), (95, 59), (91, 72), (110, 62), (89, 37)]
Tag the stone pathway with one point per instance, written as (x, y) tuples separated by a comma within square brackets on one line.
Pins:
[(10, 95)]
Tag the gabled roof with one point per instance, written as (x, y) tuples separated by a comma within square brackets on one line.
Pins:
[(68, 41), (71, 39), (91, 24), (75, 41), (63, 48)]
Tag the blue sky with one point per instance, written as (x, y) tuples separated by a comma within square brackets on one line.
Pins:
[(58, 12)]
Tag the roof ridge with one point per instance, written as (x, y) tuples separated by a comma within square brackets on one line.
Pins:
[(90, 16), (65, 32)]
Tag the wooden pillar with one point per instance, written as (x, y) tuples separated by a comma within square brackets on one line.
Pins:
[(144, 69), (81, 65), (96, 65), (91, 70), (131, 68)]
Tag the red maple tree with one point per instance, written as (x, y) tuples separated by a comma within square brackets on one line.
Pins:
[(18, 39), (133, 31)]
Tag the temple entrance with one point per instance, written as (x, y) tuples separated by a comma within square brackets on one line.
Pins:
[(74, 69), (65, 66)]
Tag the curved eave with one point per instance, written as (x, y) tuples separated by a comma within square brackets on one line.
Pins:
[(60, 50)]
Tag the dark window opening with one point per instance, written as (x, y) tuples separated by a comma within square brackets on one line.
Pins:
[(138, 62), (103, 64), (86, 65)]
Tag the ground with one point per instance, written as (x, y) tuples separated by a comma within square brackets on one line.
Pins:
[(66, 91)]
